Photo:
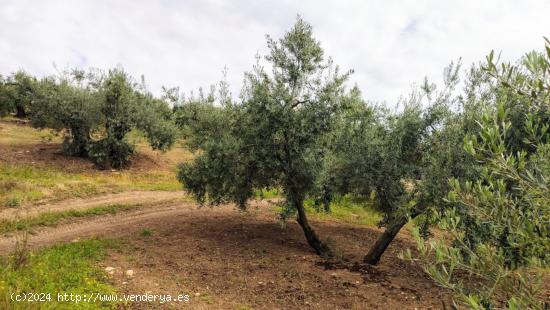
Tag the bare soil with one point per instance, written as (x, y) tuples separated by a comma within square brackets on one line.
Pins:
[(233, 260)]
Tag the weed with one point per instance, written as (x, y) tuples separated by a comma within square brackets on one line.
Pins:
[(146, 232), (20, 253), (13, 202), (207, 298)]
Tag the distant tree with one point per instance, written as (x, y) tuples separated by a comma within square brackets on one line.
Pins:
[(96, 111), (70, 101), (16, 94), (5, 104), (273, 138), (124, 108)]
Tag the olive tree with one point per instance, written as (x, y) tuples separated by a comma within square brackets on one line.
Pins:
[(123, 108), (4, 97), (96, 111), (272, 138), (401, 158), (17, 93), (509, 202), (69, 102)]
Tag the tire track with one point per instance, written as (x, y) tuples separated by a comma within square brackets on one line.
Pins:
[(133, 197), (104, 226)]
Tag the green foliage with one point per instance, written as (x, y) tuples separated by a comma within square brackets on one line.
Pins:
[(70, 102), (17, 94), (270, 139), (94, 110), (506, 242), (397, 156), (204, 117), (123, 108), (5, 102)]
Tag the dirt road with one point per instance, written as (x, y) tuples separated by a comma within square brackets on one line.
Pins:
[(132, 197), (160, 208)]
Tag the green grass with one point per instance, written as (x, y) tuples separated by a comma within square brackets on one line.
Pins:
[(53, 218), (267, 193), (348, 210), (26, 184), (14, 135), (146, 232), (68, 268)]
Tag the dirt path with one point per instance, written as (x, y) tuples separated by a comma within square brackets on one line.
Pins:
[(106, 226), (133, 197), (121, 224)]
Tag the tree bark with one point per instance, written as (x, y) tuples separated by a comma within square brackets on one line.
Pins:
[(313, 240), (375, 253), (20, 111)]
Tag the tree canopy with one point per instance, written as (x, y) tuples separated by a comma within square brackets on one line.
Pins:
[(273, 137)]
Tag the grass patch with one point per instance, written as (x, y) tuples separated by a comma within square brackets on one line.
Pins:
[(267, 193), (53, 218), (348, 210), (12, 134), (67, 268), (146, 232), (26, 184)]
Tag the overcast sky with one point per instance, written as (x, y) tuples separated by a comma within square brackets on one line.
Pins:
[(389, 44)]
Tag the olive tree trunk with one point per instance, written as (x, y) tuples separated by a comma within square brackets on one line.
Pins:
[(393, 228), (313, 240), (20, 111)]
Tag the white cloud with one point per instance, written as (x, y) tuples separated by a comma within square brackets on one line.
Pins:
[(389, 44)]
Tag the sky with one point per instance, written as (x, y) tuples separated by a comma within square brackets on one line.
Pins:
[(389, 44)]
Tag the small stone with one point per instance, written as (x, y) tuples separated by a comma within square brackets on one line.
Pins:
[(334, 275), (129, 273), (110, 270), (197, 294), (260, 283), (124, 283)]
